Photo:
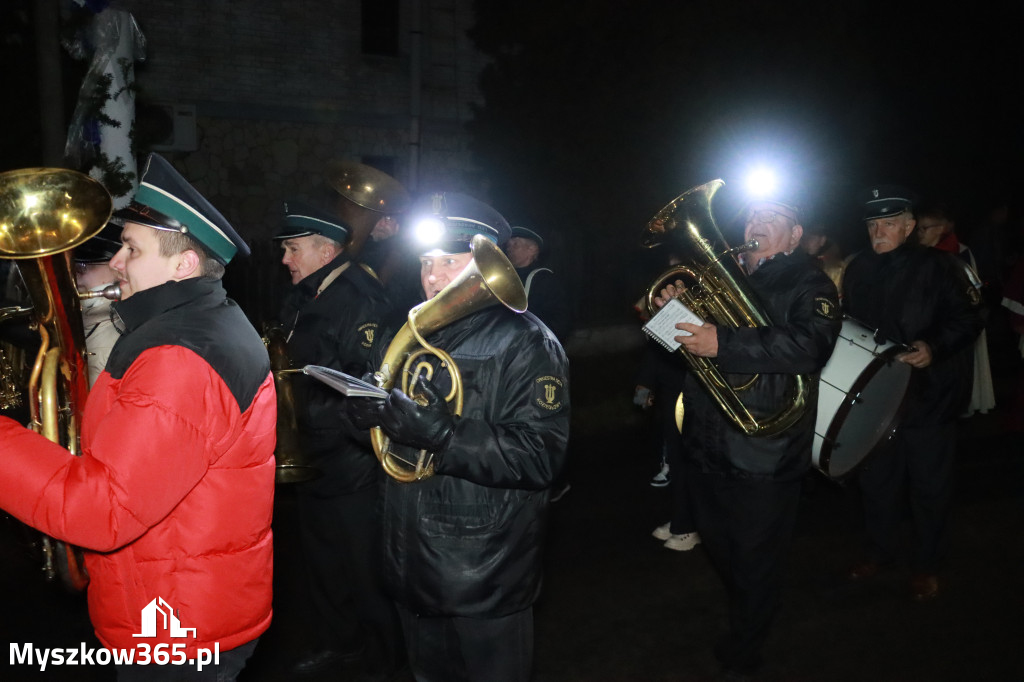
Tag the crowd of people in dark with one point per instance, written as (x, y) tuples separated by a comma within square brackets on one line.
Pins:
[(426, 388)]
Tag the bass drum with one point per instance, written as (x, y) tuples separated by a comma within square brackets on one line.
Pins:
[(860, 400)]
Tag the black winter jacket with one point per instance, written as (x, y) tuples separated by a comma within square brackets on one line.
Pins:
[(468, 541), (335, 329), (915, 293), (803, 305)]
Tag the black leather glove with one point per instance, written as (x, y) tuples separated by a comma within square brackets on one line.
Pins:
[(363, 413), (428, 427)]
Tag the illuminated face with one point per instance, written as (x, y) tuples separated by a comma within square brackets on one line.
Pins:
[(138, 264), (305, 255), (437, 271), (889, 232), (775, 227), (521, 252), (930, 231)]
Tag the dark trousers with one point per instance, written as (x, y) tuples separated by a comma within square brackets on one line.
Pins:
[(746, 526), (231, 663), (453, 649), (920, 462), (341, 549)]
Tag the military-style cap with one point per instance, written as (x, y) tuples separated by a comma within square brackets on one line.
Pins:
[(166, 201), (101, 247), (447, 221), (303, 220), (527, 233), (885, 201)]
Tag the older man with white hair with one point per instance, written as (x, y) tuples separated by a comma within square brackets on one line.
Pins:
[(921, 298)]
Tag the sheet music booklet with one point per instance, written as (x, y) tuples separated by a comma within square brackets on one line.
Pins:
[(662, 327), (344, 383)]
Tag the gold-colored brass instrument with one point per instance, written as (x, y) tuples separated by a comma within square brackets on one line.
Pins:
[(44, 213), (487, 280), (292, 463), (716, 289), (366, 196)]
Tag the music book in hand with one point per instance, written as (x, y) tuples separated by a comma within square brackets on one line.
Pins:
[(662, 327), (344, 383)]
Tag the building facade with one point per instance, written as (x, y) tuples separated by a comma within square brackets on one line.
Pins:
[(253, 98)]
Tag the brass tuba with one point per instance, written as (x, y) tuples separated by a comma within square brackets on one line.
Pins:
[(716, 289), (488, 279), (44, 213), (367, 195), (292, 462)]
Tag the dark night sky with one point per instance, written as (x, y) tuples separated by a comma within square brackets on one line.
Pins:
[(598, 113), (617, 108)]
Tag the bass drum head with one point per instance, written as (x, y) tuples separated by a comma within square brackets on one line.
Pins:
[(867, 417)]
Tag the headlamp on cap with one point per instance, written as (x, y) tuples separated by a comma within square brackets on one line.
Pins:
[(762, 183), (449, 220), (429, 231)]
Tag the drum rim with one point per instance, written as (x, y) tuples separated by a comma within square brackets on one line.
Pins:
[(873, 367)]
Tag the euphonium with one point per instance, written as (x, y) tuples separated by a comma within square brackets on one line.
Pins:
[(716, 289), (367, 195), (44, 213), (488, 279)]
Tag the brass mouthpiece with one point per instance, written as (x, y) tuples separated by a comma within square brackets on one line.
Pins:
[(111, 291)]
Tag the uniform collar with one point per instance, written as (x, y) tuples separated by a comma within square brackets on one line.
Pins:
[(310, 284), (132, 313)]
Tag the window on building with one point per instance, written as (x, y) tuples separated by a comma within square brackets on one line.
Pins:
[(380, 27)]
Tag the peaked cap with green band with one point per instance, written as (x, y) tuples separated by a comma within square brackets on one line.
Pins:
[(166, 201), (303, 220)]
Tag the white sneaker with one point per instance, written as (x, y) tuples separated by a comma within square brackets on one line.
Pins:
[(663, 532), (683, 543)]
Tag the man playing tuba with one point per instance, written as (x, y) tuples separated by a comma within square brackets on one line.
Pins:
[(172, 495), (462, 548), (744, 489)]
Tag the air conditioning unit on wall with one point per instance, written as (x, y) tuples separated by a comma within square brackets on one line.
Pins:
[(181, 131)]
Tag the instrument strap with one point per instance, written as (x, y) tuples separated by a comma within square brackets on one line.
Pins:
[(529, 279), (329, 279)]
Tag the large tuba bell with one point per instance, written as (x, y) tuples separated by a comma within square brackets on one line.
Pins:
[(292, 462), (715, 288), (44, 213), (367, 195), (488, 279)]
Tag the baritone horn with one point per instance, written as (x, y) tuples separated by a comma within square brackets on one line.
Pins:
[(366, 196), (44, 213), (716, 289), (487, 280)]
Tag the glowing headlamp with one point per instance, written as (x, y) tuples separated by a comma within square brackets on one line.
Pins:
[(429, 231), (762, 182)]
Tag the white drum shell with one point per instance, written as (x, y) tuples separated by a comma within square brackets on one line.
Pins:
[(860, 397)]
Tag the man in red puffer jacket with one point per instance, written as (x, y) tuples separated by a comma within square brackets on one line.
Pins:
[(172, 497)]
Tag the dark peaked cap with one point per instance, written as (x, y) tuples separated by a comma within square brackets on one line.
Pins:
[(463, 217), (303, 220), (166, 201), (527, 233), (101, 247), (883, 201)]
